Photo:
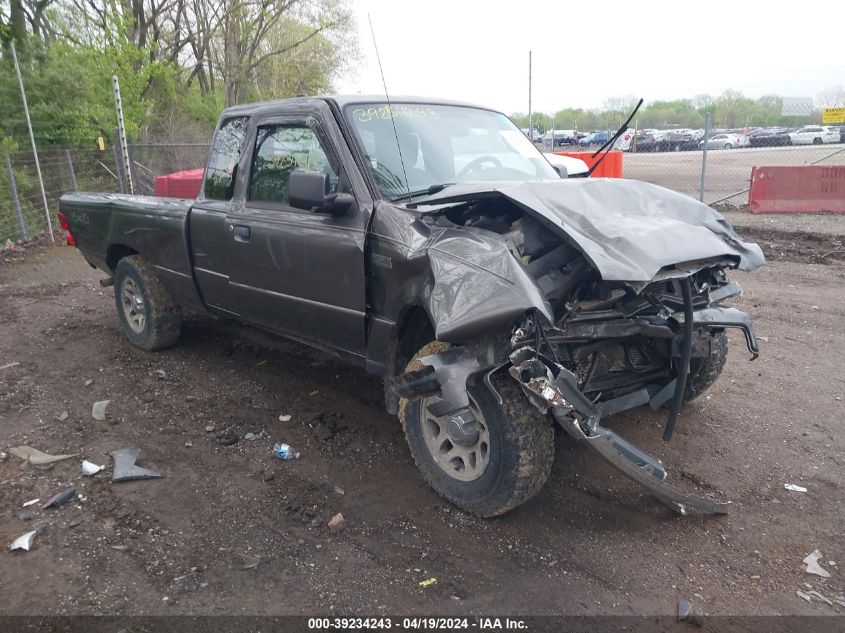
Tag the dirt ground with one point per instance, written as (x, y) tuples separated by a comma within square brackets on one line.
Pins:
[(233, 530)]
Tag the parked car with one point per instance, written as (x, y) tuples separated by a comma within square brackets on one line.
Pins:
[(842, 134), (814, 135), (770, 137), (721, 141), (679, 140), (493, 299), (594, 138), (565, 137)]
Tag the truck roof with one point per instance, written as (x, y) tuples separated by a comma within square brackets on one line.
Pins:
[(341, 101)]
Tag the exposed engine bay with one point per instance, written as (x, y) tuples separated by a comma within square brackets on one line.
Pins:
[(589, 334)]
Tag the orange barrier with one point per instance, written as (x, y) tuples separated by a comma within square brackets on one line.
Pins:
[(610, 167), (180, 184), (808, 189)]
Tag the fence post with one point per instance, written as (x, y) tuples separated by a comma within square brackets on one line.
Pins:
[(32, 140), (704, 155), (70, 170), (121, 134), (15, 202)]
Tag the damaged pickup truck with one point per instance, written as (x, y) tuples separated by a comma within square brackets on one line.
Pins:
[(434, 245)]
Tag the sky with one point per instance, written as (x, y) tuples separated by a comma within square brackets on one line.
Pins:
[(585, 52)]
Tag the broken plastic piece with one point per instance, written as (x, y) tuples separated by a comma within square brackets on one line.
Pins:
[(90, 469), (812, 563), (803, 596), (125, 468), (816, 594), (59, 499), (428, 582), (24, 541), (98, 410), (795, 488), (688, 612), (31, 502), (36, 458)]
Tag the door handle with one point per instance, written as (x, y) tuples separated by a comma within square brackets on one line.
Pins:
[(241, 233)]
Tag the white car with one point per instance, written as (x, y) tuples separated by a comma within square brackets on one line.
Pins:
[(814, 135), (575, 167), (722, 141)]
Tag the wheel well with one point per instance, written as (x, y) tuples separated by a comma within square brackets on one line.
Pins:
[(116, 252), (415, 330)]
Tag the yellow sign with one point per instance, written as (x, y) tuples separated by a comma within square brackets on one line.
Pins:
[(833, 115), (101, 144)]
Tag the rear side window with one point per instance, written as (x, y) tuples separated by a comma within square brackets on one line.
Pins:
[(222, 165)]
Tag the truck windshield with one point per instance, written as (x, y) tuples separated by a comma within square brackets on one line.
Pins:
[(441, 145)]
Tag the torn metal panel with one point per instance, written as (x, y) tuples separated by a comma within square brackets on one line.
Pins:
[(478, 286), (725, 317), (628, 230)]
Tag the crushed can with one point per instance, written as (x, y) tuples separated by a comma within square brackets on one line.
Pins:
[(284, 451)]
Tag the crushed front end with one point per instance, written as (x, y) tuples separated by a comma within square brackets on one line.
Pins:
[(614, 312)]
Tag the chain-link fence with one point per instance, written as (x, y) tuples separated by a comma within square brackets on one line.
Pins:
[(676, 159)]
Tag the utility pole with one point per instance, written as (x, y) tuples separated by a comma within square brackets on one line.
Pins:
[(530, 125), (34, 150), (121, 133)]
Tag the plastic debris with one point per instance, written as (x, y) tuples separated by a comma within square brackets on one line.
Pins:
[(812, 563), (98, 410), (816, 594), (251, 437), (284, 451), (688, 612), (284, 418), (89, 469), (428, 582), (795, 488), (24, 541), (10, 365), (840, 600), (89, 382), (249, 562), (59, 499), (31, 502), (125, 468), (804, 596), (337, 523), (32, 457), (62, 416)]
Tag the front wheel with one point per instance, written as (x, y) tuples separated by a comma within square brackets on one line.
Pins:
[(728, 146), (704, 371), (150, 318), (491, 465)]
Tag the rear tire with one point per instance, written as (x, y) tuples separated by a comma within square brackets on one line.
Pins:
[(150, 318), (520, 450), (817, 141), (728, 146), (703, 372)]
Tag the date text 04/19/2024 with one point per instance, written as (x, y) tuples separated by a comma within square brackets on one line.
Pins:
[(419, 624)]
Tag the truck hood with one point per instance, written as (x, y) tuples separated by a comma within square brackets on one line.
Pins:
[(627, 229)]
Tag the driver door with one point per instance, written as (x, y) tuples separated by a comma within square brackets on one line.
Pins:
[(293, 271)]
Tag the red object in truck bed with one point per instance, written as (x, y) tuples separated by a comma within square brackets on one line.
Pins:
[(807, 189), (180, 184)]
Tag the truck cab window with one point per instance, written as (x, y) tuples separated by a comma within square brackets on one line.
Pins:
[(279, 149), (225, 153)]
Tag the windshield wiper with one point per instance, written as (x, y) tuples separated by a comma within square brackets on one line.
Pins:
[(612, 140), (423, 192)]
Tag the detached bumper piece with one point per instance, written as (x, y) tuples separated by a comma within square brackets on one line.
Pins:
[(580, 418)]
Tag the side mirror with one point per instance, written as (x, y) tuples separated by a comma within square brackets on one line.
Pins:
[(307, 190), (561, 171)]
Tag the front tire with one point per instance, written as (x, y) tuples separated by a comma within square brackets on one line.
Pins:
[(704, 371), (506, 465), (150, 318)]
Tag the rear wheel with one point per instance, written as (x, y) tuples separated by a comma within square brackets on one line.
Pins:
[(704, 371), (150, 318), (491, 465), (817, 141), (728, 146)]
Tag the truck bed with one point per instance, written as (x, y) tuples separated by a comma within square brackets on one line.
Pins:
[(108, 226)]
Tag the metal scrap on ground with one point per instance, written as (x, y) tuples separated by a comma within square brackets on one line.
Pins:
[(125, 468)]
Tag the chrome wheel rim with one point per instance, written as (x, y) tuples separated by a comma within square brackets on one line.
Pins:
[(462, 461), (134, 308)]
